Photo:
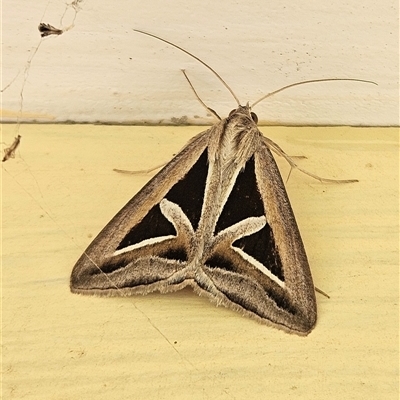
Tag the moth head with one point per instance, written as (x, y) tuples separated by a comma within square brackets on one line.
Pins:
[(246, 111)]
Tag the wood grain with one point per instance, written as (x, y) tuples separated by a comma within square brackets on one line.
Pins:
[(60, 190)]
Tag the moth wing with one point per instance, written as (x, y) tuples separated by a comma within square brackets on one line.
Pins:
[(264, 274), (258, 265), (117, 262)]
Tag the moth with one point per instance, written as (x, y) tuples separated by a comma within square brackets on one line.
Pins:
[(217, 218), (9, 152), (47, 30)]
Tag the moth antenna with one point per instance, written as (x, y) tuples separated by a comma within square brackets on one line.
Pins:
[(196, 58), (198, 97), (310, 81)]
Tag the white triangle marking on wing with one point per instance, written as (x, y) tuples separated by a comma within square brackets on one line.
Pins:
[(143, 243), (259, 266)]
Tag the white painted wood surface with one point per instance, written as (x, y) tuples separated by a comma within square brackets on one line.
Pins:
[(101, 71)]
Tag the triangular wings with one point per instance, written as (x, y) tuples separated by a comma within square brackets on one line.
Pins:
[(264, 274), (104, 266), (241, 247)]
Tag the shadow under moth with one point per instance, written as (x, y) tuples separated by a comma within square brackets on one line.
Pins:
[(217, 218)]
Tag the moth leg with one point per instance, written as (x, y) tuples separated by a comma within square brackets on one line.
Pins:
[(275, 148), (141, 171), (321, 292)]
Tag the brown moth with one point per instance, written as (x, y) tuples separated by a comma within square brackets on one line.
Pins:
[(217, 218), (47, 30), (9, 152)]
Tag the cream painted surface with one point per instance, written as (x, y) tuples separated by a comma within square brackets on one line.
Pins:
[(101, 71), (59, 192)]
